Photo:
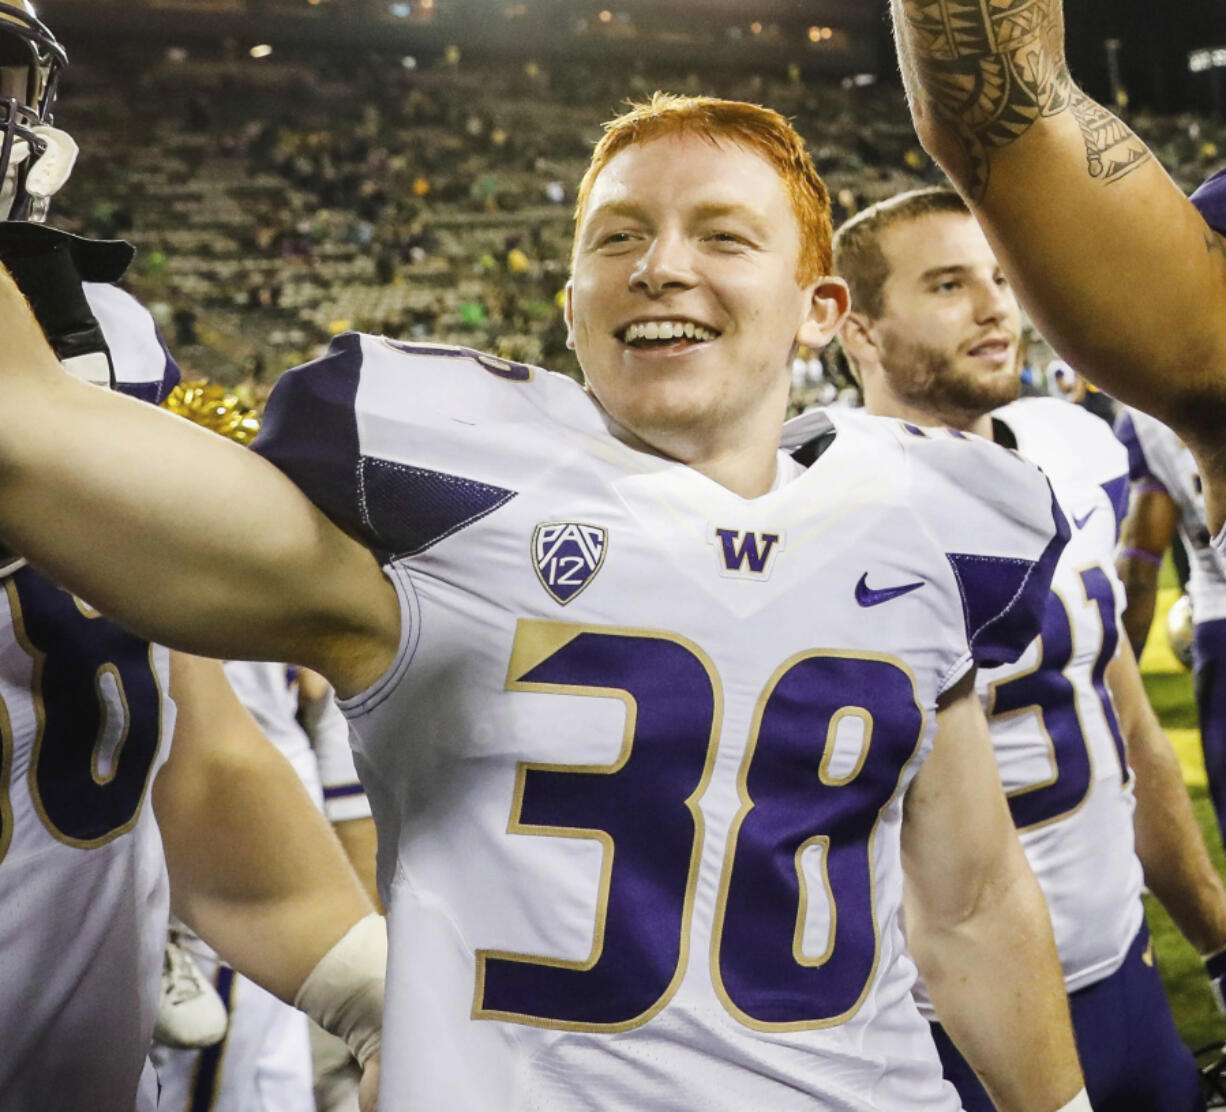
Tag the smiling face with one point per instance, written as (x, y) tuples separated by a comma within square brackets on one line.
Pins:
[(946, 340), (684, 306)]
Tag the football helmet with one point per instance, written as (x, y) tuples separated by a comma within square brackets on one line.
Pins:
[(31, 59), (1180, 630)]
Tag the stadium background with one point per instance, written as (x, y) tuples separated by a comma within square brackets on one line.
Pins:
[(293, 168)]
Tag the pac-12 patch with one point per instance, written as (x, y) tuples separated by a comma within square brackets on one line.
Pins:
[(567, 555)]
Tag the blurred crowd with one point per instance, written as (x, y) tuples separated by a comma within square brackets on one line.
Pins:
[(277, 203)]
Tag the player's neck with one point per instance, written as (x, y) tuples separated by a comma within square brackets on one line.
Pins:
[(746, 464), (883, 403)]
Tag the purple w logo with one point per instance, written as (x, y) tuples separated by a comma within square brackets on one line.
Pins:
[(746, 551)]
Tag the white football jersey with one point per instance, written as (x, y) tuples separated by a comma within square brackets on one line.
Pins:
[(1054, 728), (1159, 460), (638, 767), (85, 723)]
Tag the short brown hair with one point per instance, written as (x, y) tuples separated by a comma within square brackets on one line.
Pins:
[(761, 130), (858, 256)]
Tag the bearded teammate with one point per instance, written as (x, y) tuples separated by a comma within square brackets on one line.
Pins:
[(1118, 269), (87, 713), (935, 339), (264, 1059), (652, 717), (1167, 494)]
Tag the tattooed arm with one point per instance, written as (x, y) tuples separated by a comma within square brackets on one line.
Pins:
[(1118, 269)]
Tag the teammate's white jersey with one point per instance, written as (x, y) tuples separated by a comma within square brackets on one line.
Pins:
[(639, 764), (85, 722), (322, 758), (1158, 459), (1054, 728)]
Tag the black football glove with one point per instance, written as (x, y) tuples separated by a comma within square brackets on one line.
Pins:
[(49, 266)]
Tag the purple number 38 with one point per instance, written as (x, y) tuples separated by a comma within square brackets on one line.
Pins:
[(644, 808)]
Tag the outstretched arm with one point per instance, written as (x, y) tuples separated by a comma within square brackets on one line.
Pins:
[(1117, 267), (977, 923), (174, 532)]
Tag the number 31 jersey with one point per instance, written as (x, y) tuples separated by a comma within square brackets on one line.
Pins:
[(85, 722), (638, 768), (1053, 724)]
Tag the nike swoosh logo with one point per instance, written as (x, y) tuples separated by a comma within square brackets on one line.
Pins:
[(866, 596), (1080, 522)]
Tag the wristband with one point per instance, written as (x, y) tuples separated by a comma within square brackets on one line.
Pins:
[(1079, 1103), (1141, 554), (344, 992)]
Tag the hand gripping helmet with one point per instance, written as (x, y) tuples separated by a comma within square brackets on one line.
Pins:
[(30, 62)]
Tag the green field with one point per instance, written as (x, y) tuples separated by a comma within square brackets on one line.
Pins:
[(1170, 691)]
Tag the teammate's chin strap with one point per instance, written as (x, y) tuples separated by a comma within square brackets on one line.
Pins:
[(54, 158), (49, 266), (344, 992)]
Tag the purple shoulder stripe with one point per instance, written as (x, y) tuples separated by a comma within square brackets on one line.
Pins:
[(155, 391), (310, 432), (1003, 597), (1126, 434), (1117, 491), (1210, 199)]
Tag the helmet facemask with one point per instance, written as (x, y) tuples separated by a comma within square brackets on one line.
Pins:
[(30, 64)]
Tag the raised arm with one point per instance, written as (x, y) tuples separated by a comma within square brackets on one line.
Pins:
[(174, 532), (977, 923), (1117, 267)]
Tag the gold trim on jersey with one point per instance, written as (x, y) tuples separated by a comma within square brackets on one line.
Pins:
[(535, 642), (39, 660), (823, 769), (1126, 773), (124, 727), (747, 805), (1037, 711), (6, 774), (802, 915)]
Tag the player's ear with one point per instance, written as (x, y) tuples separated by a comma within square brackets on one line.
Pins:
[(568, 314), (829, 307)]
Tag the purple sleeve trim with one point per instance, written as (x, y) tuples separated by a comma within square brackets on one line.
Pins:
[(1126, 434), (343, 791), (1210, 199), (1003, 598)]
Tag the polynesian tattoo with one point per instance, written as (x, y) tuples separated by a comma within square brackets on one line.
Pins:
[(989, 69)]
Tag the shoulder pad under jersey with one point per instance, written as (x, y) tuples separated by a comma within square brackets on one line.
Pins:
[(403, 445), (1131, 427), (994, 515), (1071, 445), (144, 368)]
